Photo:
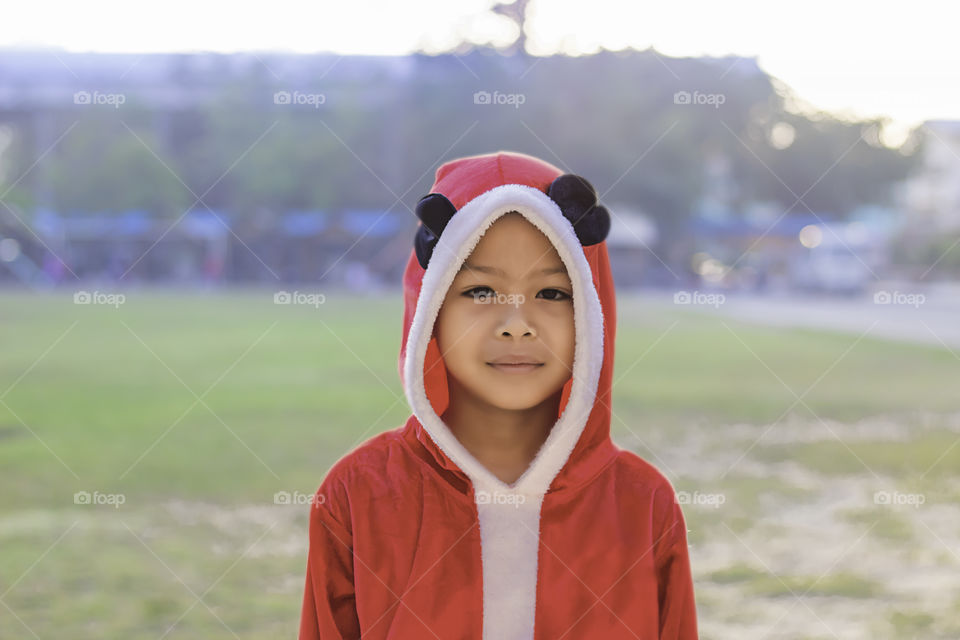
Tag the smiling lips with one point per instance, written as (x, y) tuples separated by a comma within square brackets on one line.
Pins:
[(515, 364)]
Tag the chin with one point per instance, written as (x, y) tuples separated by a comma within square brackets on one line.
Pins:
[(508, 396), (519, 405)]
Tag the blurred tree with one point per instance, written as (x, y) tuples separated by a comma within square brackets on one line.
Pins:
[(104, 167), (387, 123), (517, 12), (13, 192)]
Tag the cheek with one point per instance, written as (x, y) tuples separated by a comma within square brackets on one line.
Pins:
[(455, 330), (563, 337)]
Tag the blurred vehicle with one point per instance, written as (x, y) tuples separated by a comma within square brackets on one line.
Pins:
[(836, 259)]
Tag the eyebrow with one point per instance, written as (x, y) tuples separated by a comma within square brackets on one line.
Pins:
[(499, 272)]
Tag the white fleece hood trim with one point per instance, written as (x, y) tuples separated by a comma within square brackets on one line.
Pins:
[(509, 514)]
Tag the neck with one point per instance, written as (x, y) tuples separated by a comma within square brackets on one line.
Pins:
[(503, 440)]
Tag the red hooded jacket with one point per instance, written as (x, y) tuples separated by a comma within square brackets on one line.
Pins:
[(411, 537)]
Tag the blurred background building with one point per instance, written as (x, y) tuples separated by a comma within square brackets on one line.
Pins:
[(230, 169)]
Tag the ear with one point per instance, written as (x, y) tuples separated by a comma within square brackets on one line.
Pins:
[(577, 199), (434, 211)]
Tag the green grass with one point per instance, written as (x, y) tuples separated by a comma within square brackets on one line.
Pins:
[(734, 574), (741, 501), (698, 369), (102, 399), (840, 584), (886, 523), (762, 583), (933, 455), (843, 584), (911, 622)]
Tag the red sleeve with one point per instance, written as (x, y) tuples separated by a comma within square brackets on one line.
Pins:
[(329, 601), (678, 612)]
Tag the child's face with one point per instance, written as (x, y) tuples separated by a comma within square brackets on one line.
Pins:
[(489, 316)]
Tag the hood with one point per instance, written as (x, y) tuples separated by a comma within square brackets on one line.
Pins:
[(477, 190)]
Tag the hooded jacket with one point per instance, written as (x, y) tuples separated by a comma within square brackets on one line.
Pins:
[(410, 536)]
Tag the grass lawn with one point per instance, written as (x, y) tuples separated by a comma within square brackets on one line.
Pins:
[(197, 407)]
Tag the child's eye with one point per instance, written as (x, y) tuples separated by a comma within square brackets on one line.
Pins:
[(478, 292), (562, 294), (482, 293)]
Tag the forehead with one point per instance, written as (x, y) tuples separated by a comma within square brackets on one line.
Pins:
[(512, 244), (510, 231)]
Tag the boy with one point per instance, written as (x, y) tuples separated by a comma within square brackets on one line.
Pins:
[(501, 509)]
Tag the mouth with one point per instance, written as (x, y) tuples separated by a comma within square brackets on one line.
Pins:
[(515, 367)]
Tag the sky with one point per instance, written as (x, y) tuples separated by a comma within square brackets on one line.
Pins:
[(863, 59)]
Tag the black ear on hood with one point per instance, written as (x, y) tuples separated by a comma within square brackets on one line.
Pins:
[(577, 200), (434, 211), (575, 196)]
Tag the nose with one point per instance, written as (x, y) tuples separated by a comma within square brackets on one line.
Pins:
[(514, 322)]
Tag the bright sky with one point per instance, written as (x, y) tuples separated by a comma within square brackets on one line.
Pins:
[(900, 59)]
